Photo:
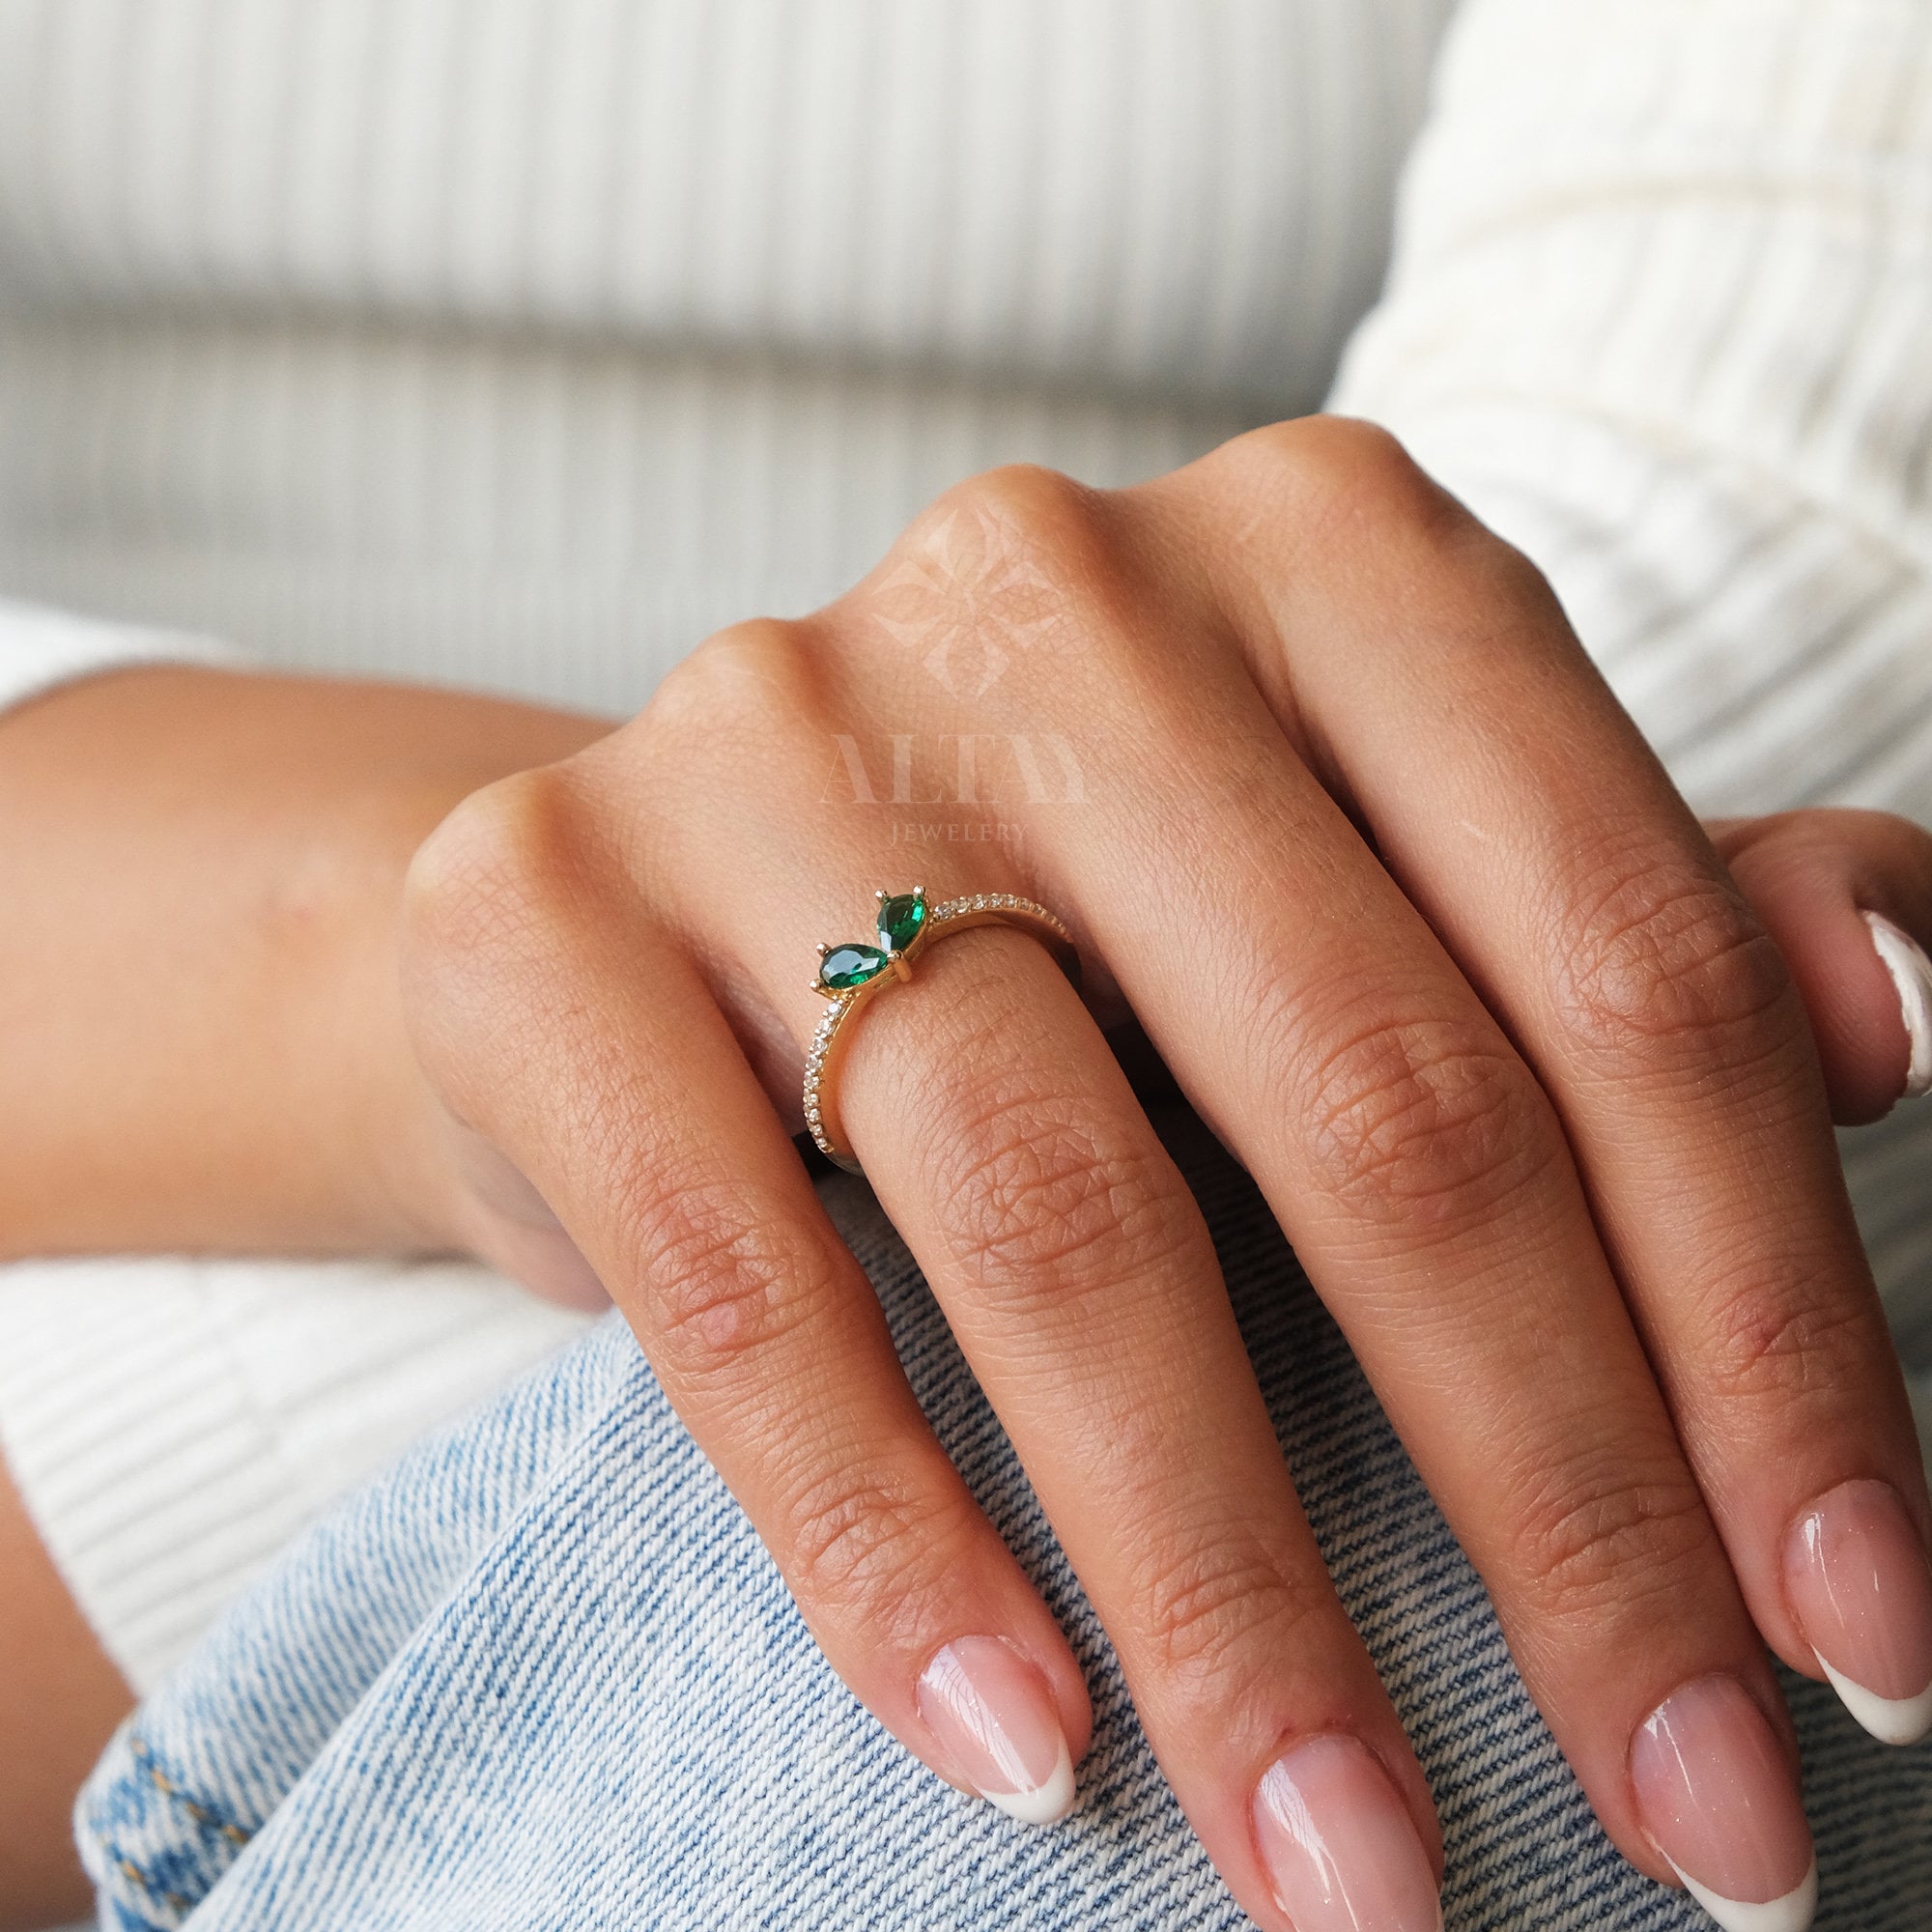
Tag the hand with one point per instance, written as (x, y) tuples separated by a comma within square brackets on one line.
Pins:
[(1339, 810)]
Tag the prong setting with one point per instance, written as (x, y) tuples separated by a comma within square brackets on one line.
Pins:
[(914, 925)]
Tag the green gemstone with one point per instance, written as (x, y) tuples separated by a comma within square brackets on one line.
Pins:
[(848, 966), (899, 920)]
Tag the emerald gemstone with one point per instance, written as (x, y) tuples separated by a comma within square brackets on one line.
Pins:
[(848, 966), (899, 920)]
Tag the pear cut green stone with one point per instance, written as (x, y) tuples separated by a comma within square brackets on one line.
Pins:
[(848, 966), (899, 921)]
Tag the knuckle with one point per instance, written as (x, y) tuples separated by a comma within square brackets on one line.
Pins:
[(493, 869), (721, 1279), (1028, 511), (1332, 469), (1662, 960), (1326, 448), (736, 679), (1048, 1198), (1209, 1612), (1001, 564), (1600, 1534), (1331, 486), (1424, 1119), (1766, 1346), (861, 1545)]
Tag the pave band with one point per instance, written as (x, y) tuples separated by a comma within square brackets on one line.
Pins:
[(851, 975)]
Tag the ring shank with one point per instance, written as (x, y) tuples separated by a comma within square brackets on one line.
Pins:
[(826, 1054)]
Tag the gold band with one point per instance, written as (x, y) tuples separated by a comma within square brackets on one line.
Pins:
[(890, 963)]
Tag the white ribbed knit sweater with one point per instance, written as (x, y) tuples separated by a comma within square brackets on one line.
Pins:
[(522, 342)]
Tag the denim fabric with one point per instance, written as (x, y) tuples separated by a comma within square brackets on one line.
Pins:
[(542, 1675)]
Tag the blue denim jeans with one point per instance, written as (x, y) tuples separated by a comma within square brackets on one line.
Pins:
[(542, 1675)]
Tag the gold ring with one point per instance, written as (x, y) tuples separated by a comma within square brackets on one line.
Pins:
[(851, 974)]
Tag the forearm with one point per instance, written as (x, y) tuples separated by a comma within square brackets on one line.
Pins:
[(200, 1042)]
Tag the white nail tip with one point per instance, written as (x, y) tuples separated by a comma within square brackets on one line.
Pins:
[(1912, 974), (1793, 1913), (1891, 1721), (1047, 1805)]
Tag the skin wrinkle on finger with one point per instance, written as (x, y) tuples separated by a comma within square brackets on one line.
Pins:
[(1763, 1353), (725, 1273), (1207, 1597), (1417, 1122), (1670, 977), (1674, 979), (1033, 1186), (1042, 1204), (1365, 1075), (875, 1553), (1604, 1532), (1027, 1199)]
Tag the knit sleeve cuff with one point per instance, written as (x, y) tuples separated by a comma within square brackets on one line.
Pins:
[(172, 1424), (41, 650)]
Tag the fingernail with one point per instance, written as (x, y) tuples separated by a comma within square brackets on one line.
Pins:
[(992, 1712), (1719, 1801), (1339, 1845), (1912, 974), (1861, 1587)]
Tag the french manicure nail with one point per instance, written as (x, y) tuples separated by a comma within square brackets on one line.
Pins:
[(1912, 974), (993, 1713), (1339, 1845), (1861, 1587), (1719, 1801)]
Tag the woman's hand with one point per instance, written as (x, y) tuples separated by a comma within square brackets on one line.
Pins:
[(1339, 809)]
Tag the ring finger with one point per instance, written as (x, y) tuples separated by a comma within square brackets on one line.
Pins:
[(1077, 1274)]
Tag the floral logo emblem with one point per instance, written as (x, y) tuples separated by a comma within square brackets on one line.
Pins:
[(967, 598)]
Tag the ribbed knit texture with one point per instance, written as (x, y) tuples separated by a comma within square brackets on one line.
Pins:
[(520, 343), (1683, 356), (524, 343), (175, 1423)]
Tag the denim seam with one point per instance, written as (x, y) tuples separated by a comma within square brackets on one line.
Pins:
[(204, 1815), (174, 1901)]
